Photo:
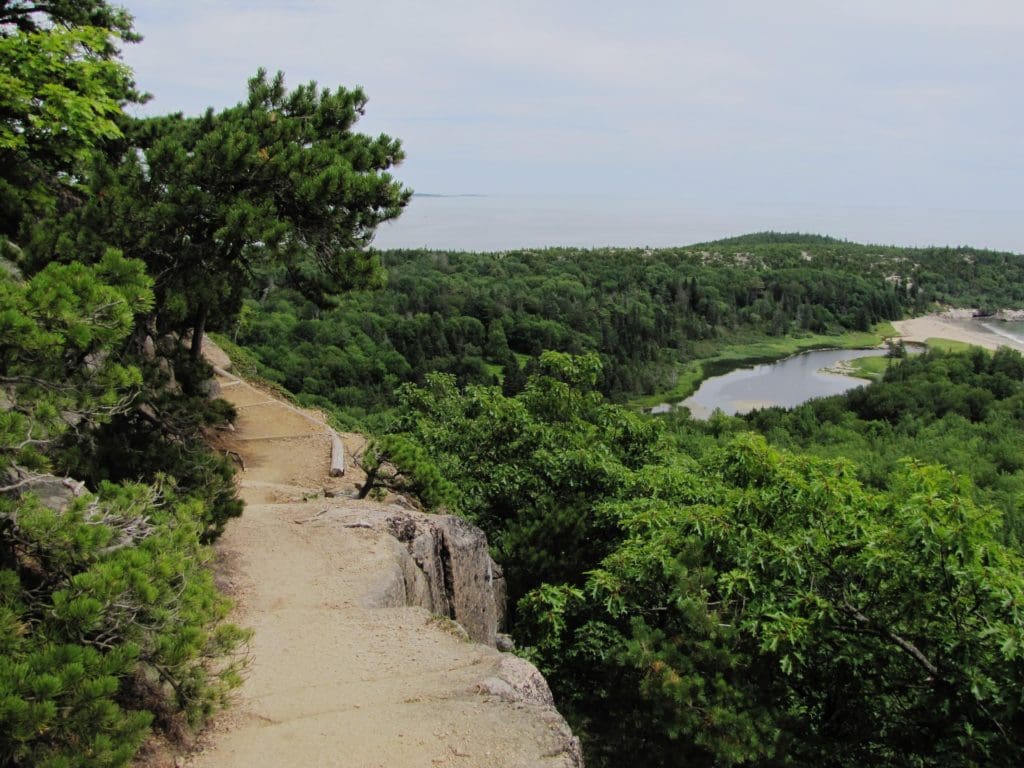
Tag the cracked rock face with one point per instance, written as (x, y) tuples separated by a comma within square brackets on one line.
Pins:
[(445, 567), (442, 563)]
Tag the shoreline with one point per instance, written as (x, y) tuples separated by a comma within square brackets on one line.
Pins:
[(953, 325)]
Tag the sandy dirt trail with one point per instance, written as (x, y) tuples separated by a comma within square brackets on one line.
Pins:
[(331, 682)]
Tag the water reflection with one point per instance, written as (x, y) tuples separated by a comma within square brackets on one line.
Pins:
[(785, 383)]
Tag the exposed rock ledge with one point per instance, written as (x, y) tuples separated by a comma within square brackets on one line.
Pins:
[(442, 563), (968, 313)]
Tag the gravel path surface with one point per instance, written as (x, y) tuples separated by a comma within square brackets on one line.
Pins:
[(332, 682)]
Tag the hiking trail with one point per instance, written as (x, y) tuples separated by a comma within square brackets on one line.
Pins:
[(333, 681)]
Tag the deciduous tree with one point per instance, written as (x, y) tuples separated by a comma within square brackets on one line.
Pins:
[(61, 93)]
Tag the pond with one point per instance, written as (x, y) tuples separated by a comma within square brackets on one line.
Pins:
[(786, 383)]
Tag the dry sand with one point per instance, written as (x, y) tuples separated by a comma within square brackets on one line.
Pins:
[(951, 326), (332, 682)]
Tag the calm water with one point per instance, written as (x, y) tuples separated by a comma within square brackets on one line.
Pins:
[(786, 383), (505, 223), (799, 378)]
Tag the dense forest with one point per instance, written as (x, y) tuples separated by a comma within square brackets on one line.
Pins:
[(696, 596), (841, 584), (961, 410), (648, 314)]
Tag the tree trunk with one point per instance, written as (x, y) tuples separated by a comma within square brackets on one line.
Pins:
[(197, 333), (371, 476)]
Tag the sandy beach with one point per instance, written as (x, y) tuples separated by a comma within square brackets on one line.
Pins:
[(954, 325)]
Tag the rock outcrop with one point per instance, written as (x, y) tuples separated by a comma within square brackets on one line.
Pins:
[(54, 492), (442, 563)]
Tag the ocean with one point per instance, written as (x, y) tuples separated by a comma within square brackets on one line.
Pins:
[(1013, 330), (500, 223)]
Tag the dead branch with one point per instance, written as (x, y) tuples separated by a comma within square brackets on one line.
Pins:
[(903, 643)]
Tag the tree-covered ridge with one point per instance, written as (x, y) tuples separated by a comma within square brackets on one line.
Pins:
[(961, 276), (120, 241), (477, 314), (703, 600), (645, 313)]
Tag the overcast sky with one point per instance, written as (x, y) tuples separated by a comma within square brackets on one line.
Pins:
[(893, 102)]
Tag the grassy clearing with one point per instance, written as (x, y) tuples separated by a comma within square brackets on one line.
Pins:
[(715, 358), (948, 345), (871, 368), (884, 329)]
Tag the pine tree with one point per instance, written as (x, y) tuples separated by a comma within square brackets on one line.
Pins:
[(280, 181), (106, 604)]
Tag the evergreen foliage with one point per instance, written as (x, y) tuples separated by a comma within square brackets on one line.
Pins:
[(114, 233), (109, 618), (213, 202), (419, 475), (58, 332), (108, 615)]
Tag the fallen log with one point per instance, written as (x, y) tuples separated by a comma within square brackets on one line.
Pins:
[(337, 455)]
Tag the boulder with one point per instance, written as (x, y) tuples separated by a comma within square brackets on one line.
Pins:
[(9, 267), (170, 381), (517, 681), (166, 345), (442, 564), (210, 389), (54, 492)]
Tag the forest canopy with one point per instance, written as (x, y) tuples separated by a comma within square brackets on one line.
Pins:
[(657, 319), (698, 597)]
